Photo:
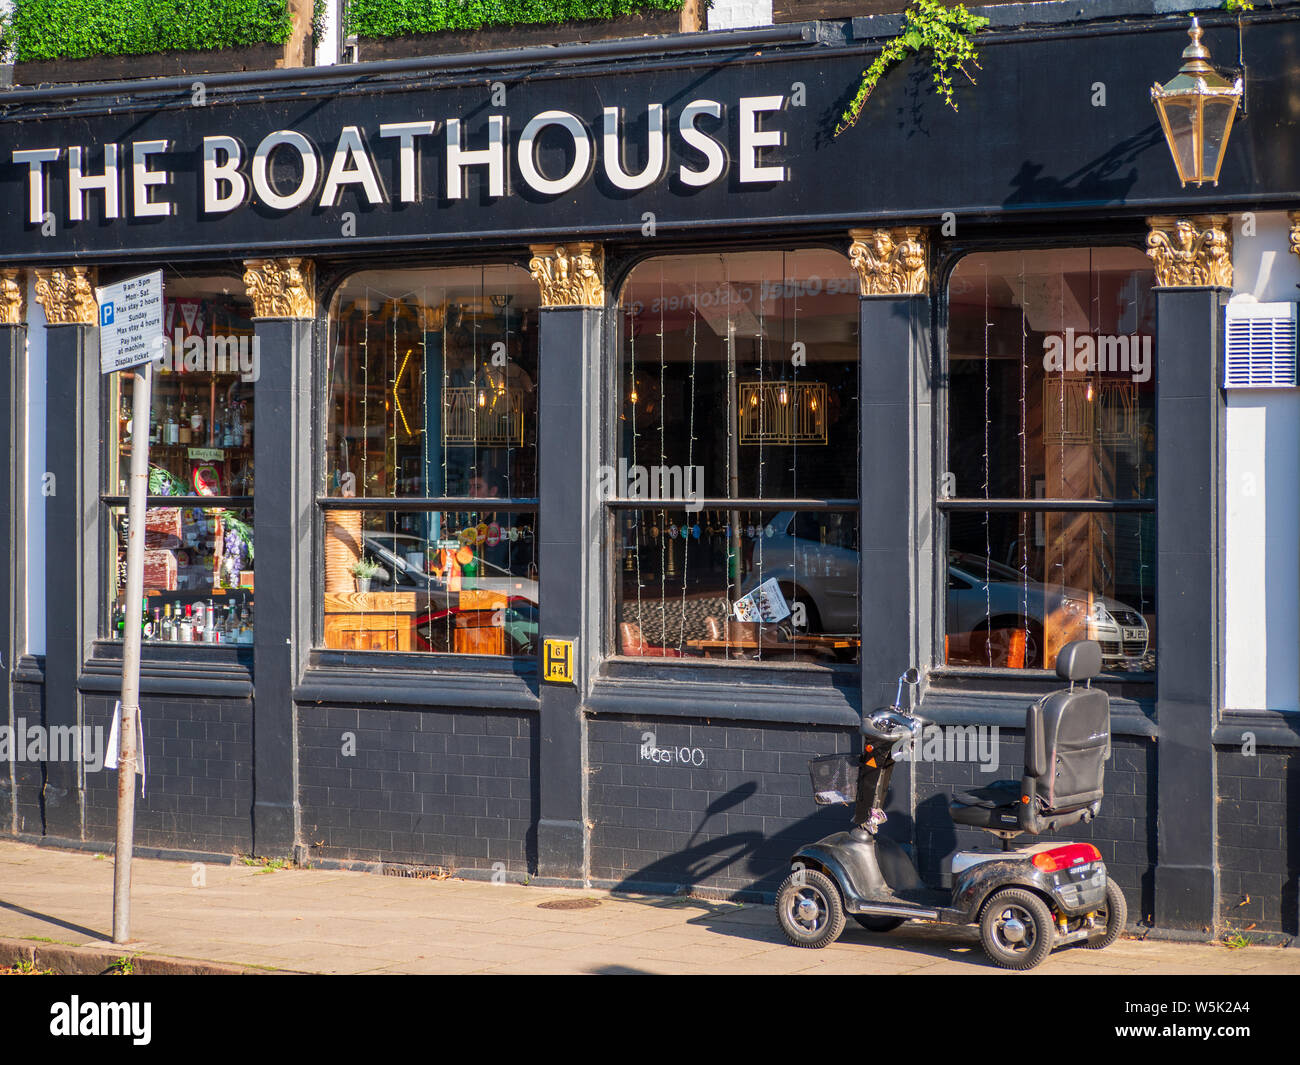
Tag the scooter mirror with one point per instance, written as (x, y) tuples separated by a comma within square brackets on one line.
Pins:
[(912, 675)]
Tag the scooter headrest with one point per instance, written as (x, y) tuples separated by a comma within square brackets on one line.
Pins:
[(1079, 660)]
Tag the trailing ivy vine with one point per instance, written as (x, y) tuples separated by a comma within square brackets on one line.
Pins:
[(944, 32)]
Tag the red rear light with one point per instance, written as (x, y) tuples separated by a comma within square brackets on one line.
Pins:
[(1064, 857)]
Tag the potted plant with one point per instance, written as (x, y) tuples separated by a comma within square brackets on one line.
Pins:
[(365, 570)]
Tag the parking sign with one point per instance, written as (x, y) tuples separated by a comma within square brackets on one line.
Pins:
[(130, 321)]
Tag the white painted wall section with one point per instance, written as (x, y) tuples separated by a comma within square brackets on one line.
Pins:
[(739, 14), (1262, 550)]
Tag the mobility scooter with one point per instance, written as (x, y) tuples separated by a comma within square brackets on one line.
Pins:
[(1026, 900)]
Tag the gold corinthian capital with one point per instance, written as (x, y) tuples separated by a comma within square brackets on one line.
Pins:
[(891, 262), (13, 296), (1191, 252), (569, 275), (281, 288), (67, 294)]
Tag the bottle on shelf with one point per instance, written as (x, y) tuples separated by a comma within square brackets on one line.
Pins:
[(170, 428), (184, 436), (165, 629), (196, 423), (187, 625)]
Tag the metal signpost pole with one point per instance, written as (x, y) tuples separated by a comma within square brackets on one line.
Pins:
[(135, 518)]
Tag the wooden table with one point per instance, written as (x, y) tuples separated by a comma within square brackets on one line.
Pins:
[(386, 621), (372, 621), (822, 645)]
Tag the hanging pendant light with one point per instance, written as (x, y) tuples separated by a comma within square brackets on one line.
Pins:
[(1196, 112)]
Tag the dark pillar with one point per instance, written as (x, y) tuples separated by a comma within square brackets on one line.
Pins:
[(1189, 472), (72, 445), (13, 481), (895, 484), (282, 531), (569, 571)]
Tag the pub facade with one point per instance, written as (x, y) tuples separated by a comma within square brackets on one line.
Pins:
[(503, 396)]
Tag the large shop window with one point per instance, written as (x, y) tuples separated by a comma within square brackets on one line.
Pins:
[(430, 463), (198, 560), (734, 502), (1049, 493)]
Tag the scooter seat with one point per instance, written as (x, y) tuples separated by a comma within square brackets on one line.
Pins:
[(992, 806)]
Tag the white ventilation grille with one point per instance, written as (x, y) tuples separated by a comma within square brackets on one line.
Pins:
[(1261, 346)]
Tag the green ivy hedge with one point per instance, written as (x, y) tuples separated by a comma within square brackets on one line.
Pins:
[(77, 29), (397, 18)]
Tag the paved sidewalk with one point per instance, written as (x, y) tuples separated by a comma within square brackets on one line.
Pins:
[(325, 921)]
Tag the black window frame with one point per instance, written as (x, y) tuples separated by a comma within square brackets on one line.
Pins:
[(104, 645), (396, 668), (614, 662), (950, 257)]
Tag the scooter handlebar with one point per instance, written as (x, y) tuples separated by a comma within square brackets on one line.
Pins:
[(889, 726)]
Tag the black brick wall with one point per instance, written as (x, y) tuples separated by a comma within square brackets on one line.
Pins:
[(1124, 832), (29, 701), (429, 787), (729, 825), (1259, 838), (199, 793)]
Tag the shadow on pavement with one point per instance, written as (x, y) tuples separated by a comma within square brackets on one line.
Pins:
[(14, 908)]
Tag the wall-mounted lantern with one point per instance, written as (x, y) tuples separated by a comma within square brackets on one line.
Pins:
[(1196, 112)]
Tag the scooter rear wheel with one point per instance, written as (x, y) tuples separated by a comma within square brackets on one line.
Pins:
[(1115, 915), (809, 909), (1017, 930)]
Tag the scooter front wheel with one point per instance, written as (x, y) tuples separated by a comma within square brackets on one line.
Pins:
[(809, 909), (1016, 929)]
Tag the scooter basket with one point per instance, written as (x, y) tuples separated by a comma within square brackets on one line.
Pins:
[(834, 778)]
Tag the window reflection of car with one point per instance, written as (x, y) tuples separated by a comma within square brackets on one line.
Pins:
[(518, 615), (986, 599), (821, 578)]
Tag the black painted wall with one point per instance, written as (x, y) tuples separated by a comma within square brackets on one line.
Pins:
[(1259, 839), (199, 784), (728, 826), (29, 777), (72, 387), (428, 787), (1189, 575)]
